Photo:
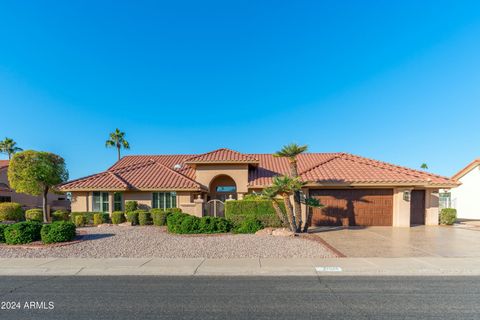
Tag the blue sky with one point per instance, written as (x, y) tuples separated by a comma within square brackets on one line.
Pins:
[(397, 82)]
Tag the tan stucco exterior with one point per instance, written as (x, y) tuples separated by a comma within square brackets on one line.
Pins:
[(401, 208), (431, 207), (205, 173)]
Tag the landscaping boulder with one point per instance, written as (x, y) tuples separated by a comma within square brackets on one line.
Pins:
[(282, 232), (125, 224), (265, 232)]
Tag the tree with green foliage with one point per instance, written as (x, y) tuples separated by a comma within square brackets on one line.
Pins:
[(36, 173), (9, 147), (310, 203), (287, 186), (424, 166), (117, 140), (291, 152)]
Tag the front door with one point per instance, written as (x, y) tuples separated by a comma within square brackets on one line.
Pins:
[(417, 207)]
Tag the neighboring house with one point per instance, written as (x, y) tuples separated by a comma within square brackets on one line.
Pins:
[(466, 197), (55, 201), (353, 189)]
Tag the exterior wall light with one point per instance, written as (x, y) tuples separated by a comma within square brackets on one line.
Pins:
[(406, 195)]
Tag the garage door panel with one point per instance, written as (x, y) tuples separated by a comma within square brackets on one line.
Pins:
[(362, 207)]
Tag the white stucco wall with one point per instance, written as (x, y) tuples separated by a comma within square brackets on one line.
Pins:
[(466, 197)]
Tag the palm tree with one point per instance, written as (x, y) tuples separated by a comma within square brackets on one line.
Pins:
[(9, 147), (424, 166), (117, 140), (270, 193), (287, 186), (291, 151), (310, 203)]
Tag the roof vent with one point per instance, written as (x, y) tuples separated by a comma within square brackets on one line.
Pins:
[(177, 166)]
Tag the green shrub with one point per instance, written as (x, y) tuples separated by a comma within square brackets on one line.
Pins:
[(249, 225), (185, 223), (34, 215), (131, 206), (238, 210), (448, 216), (11, 211), (159, 217), (132, 217), (105, 217), (79, 221), (23, 232), (2, 231), (118, 217), (61, 215), (97, 219), (87, 217), (60, 231), (144, 217)]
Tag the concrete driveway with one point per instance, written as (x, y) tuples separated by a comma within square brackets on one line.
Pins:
[(389, 242)]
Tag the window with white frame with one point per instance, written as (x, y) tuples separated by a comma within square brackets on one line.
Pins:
[(100, 201), (164, 200), (117, 201)]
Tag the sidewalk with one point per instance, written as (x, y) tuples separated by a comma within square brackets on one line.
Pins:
[(242, 267)]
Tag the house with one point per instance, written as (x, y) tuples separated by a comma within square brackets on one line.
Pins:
[(55, 201), (353, 189), (465, 197)]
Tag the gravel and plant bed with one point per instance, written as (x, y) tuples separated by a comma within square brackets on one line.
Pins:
[(151, 241)]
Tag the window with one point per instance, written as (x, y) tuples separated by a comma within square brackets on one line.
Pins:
[(164, 200), (226, 189), (100, 201), (5, 199), (117, 201)]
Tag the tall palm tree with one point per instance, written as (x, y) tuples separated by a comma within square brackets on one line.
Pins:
[(9, 147), (424, 166), (291, 151), (310, 203), (287, 186), (117, 140)]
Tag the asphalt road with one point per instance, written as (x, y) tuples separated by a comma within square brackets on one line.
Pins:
[(242, 297)]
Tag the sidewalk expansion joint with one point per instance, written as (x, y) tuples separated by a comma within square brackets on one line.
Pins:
[(196, 269)]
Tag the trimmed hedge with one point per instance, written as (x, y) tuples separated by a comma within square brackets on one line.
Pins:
[(131, 206), (144, 217), (11, 211), (132, 217), (118, 217), (183, 223), (238, 210), (97, 219), (159, 217), (23, 232), (61, 215), (34, 215), (249, 225), (60, 231), (79, 221), (448, 216), (2, 230), (87, 217)]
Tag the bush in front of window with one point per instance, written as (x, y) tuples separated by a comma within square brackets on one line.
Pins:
[(249, 225), (11, 211), (87, 217), (448, 216), (61, 215), (59, 231), (23, 232), (34, 215), (132, 217), (159, 217), (79, 221), (118, 217), (131, 206), (97, 219), (144, 218)]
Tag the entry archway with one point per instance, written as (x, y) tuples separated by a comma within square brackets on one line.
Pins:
[(222, 187)]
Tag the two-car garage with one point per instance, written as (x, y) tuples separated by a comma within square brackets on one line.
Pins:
[(362, 207)]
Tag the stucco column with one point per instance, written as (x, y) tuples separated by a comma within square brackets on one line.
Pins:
[(401, 208), (198, 206), (431, 207), (110, 203), (240, 196), (90, 201)]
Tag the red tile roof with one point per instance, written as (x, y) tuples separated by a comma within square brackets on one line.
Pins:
[(173, 172), (3, 163), (223, 156)]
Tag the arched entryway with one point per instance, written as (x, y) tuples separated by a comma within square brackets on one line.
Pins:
[(222, 187)]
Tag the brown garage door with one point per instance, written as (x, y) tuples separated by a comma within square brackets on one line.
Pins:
[(360, 207), (417, 207)]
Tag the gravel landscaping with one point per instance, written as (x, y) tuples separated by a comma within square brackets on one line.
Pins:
[(146, 242)]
